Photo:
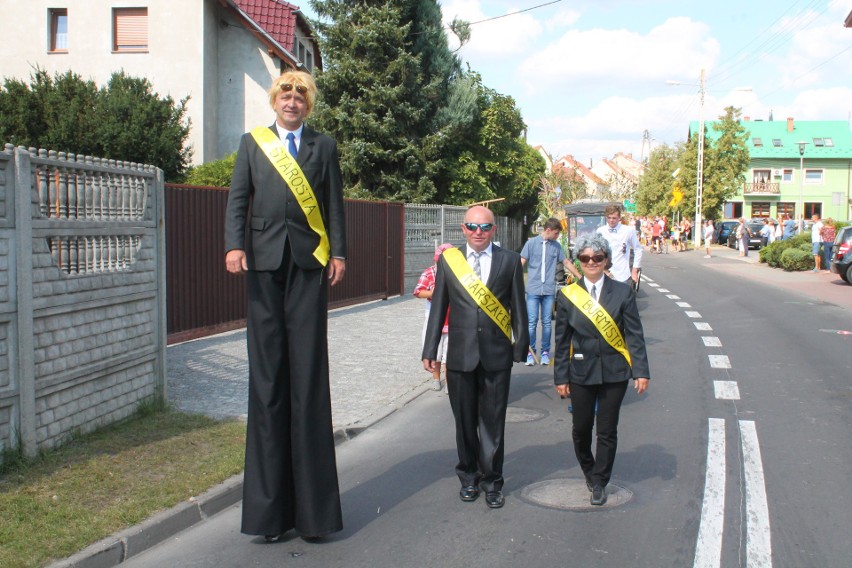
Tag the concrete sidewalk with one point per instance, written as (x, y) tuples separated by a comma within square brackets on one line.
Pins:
[(375, 369)]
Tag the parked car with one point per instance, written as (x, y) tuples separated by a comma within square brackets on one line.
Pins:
[(755, 241), (841, 256), (723, 229)]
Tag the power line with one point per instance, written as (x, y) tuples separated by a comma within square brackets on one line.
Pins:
[(516, 13)]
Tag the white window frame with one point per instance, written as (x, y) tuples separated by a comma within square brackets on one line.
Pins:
[(787, 176), (817, 176)]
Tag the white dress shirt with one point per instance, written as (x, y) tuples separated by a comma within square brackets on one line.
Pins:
[(621, 241), (484, 261)]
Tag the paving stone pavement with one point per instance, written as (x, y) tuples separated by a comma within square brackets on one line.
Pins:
[(374, 354)]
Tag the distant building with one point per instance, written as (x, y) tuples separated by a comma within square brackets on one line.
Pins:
[(595, 186), (621, 173), (781, 179), (223, 54)]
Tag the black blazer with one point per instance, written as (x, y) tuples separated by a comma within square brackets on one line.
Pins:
[(594, 361), (260, 200), (474, 338)]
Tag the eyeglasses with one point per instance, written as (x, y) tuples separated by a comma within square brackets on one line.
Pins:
[(472, 227), (287, 87), (585, 259)]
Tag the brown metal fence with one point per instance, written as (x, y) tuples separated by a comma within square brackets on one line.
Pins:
[(202, 298)]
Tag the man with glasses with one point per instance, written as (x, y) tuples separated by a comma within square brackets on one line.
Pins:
[(622, 239), (542, 254), (284, 227), (483, 285)]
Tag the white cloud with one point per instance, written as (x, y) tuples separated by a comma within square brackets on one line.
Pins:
[(494, 38), (679, 47)]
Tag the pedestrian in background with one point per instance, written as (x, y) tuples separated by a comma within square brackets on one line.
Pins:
[(829, 233), (766, 233), (816, 241), (789, 227), (424, 288), (541, 255), (483, 286), (622, 241), (709, 235), (743, 237), (287, 189), (600, 345)]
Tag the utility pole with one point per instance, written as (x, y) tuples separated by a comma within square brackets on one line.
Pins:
[(699, 177)]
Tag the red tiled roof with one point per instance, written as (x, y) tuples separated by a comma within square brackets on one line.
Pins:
[(276, 17)]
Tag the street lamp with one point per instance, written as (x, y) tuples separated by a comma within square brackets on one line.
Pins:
[(802, 144)]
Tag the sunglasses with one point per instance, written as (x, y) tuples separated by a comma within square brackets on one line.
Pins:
[(287, 87), (585, 259), (472, 227)]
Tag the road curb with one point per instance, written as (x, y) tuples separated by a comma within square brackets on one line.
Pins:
[(125, 544)]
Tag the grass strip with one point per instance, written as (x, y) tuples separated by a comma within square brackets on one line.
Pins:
[(100, 483)]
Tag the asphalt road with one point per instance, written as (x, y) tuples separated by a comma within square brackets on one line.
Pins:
[(739, 454)]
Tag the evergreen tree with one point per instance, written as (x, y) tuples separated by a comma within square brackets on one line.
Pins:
[(387, 75), (124, 120)]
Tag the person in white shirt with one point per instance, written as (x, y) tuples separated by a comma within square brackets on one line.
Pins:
[(709, 234), (621, 239), (816, 241)]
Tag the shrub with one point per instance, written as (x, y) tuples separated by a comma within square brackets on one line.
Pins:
[(796, 259), (772, 254), (216, 174)]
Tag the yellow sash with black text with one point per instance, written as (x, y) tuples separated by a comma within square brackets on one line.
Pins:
[(292, 174), (599, 317), (483, 297)]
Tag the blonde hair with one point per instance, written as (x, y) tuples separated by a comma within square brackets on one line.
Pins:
[(295, 78)]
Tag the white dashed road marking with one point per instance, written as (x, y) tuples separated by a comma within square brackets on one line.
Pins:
[(726, 390), (702, 326), (720, 361), (693, 314), (710, 341)]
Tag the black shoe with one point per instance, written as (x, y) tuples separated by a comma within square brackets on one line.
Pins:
[(468, 493), (589, 484), (494, 499), (598, 495)]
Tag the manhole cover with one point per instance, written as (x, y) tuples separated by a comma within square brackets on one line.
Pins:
[(572, 495), (517, 414)]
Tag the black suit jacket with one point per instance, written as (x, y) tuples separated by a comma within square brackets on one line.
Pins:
[(474, 338), (594, 361), (261, 202)]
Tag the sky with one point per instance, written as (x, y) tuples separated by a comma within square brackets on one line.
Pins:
[(592, 76)]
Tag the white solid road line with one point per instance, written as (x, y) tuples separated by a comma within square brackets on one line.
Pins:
[(759, 541), (708, 548)]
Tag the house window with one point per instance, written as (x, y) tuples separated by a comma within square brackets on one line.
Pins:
[(819, 142), (788, 208), (828, 142), (760, 209), (130, 29), (758, 142), (58, 30), (760, 176), (305, 55), (812, 209), (777, 142), (787, 176), (813, 176)]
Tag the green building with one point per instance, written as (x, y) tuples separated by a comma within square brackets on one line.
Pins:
[(794, 167)]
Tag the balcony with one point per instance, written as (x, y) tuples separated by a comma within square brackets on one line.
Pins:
[(762, 188)]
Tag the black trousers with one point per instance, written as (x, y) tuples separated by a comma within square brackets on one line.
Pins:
[(479, 399), (290, 476), (597, 467)]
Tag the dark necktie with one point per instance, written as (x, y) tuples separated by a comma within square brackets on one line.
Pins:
[(476, 267), (595, 292), (291, 144)]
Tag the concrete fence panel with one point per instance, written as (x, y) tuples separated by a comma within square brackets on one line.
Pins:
[(82, 294)]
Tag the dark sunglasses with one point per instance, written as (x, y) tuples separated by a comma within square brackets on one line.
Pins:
[(585, 259), (472, 227), (287, 87)]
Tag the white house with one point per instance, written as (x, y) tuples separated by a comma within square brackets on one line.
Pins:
[(223, 54)]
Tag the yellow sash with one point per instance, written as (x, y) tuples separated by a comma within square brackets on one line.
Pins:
[(483, 297), (599, 317), (292, 174)]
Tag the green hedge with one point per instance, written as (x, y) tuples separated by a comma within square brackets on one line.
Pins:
[(796, 259), (773, 254)]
